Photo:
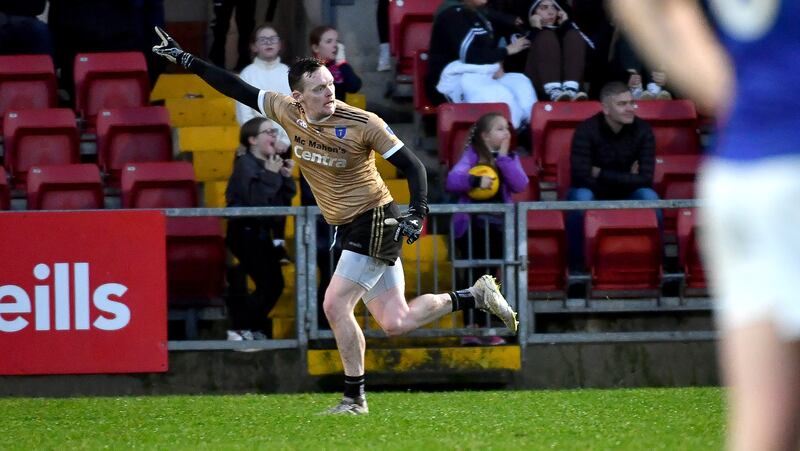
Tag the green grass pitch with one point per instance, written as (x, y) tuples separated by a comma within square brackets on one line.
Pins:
[(624, 419)]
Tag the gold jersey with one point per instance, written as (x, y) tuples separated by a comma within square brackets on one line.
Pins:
[(336, 155)]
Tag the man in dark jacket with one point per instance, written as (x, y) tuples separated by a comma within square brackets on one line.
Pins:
[(20, 31), (613, 158)]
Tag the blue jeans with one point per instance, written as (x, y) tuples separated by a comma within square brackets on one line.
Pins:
[(25, 35), (575, 221)]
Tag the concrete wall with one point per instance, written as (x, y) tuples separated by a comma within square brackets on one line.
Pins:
[(546, 366)]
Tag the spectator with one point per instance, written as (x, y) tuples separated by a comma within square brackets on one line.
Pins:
[(103, 26), (245, 21), (557, 57), (488, 144), (325, 46), (260, 178), (382, 17), (613, 158), (466, 62), (268, 73), (21, 32), (643, 83), (595, 24)]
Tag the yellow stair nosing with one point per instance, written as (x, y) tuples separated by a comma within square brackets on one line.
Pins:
[(327, 361)]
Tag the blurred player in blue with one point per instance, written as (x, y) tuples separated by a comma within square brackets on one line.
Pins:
[(750, 190)]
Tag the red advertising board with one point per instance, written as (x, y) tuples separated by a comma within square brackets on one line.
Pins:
[(83, 292)]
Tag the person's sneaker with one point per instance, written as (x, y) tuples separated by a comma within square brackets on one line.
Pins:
[(283, 255), (580, 96), (349, 406), (494, 341), (559, 95), (246, 334), (575, 95), (664, 95), (258, 335), (488, 298), (384, 60), (645, 95), (234, 336), (470, 340)]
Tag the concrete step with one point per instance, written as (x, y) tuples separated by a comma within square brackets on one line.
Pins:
[(323, 362)]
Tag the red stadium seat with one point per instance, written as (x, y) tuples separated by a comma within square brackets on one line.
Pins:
[(422, 104), (132, 135), (552, 127), (623, 252), (688, 253), (674, 125), (453, 123), (5, 192), (39, 138), (108, 81), (27, 82), (195, 246), (674, 178), (195, 261), (159, 185), (410, 26), (532, 193), (547, 251), (67, 187)]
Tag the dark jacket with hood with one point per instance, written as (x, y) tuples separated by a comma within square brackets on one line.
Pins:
[(463, 34)]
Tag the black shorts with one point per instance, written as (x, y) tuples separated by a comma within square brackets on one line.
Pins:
[(368, 235)]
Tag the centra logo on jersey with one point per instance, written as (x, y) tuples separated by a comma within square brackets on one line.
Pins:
[(112, 315), (319, 158)]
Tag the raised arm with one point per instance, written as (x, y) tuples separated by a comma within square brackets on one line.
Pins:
[(219, 79)]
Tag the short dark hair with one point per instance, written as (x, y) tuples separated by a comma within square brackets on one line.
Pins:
[(250, 129), (301, 68), (611, 89)]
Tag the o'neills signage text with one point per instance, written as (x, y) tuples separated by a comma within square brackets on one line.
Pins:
[(82, 292)]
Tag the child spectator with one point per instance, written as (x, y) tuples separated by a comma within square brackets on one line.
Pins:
[(488, 144), (260, 178), (268, 73), (557, 57), (325, 46)]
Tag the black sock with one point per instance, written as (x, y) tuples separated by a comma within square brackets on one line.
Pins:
[(354, 386), (462, 299)]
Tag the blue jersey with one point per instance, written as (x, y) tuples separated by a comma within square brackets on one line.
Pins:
[(763, 40)]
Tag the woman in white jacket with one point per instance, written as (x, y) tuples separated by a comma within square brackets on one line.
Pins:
[(268, 73)]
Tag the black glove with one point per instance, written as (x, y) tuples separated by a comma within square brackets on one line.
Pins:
[(170, 49), (408, 225)]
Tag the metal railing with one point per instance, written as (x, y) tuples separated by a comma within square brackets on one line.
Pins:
[(444, 273)]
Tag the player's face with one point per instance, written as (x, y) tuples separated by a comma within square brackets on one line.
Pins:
[(620, 108), (497, 133), (326, 49), (267, 45), (319, 96), (547, 11), (264, 142)]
